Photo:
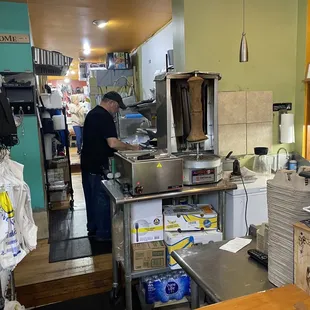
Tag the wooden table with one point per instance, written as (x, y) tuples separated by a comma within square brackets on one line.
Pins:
[(284, 298)]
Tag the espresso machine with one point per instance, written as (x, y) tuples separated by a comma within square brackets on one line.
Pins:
[(187, 123)]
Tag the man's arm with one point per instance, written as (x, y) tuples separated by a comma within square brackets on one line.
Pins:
[(121, 146)]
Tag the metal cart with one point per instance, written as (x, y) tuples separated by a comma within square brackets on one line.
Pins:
[(119, 200), (47, 184)]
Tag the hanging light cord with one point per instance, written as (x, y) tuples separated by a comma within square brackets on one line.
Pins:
[(243, 18)]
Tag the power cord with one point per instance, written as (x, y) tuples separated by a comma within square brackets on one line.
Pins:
[(246, 206)]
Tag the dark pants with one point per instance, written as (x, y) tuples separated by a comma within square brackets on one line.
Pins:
[(78, 130), (97, 205)]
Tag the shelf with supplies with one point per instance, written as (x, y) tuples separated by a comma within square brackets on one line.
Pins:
[(55, 141), (148, 255)]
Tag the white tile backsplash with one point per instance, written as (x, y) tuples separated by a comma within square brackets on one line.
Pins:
[(259, 106), (232, 107), (232, 138), (245, 121), (258, 134)]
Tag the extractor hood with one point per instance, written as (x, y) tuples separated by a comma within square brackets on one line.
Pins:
[(50, 62)]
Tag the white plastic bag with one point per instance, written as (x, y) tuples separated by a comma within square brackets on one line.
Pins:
[(13, 305), (10, 251)]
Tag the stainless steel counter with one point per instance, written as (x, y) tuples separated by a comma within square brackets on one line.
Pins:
[(223, 275), (113, 188), (118, 199)]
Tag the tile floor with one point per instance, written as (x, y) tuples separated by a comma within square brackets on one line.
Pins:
[(74, 156), (79, 202)]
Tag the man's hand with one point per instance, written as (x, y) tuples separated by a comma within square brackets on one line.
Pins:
[(121, 146), (136, 147)]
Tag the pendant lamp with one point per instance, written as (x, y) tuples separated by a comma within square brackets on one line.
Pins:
[(244, 53)]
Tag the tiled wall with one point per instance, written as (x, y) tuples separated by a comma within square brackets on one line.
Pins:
[(245, 121)]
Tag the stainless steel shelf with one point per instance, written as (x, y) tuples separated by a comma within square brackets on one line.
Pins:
[(115, 192), (145, 273)]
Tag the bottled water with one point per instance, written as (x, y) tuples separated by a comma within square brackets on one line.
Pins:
[(164, 287)]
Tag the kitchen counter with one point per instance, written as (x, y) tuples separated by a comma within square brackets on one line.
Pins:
[(222, 275), (115, 192), (117, 198)]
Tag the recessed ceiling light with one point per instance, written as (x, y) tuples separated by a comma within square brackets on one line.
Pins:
[(86, 46), (86, 51), (100, 23)]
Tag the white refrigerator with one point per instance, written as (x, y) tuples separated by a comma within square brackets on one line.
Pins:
[(236, 212)]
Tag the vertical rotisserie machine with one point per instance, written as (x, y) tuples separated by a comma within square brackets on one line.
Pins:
[(187, 123)]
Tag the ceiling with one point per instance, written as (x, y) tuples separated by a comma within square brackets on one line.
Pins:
[(65, 25)]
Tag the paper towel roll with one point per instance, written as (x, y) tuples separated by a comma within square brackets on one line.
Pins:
[(59, 122), (287, 131)]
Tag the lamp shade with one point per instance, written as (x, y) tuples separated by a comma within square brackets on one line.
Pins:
[(243, 54)]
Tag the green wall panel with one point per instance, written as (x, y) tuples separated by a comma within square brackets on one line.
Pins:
[(276, 38), (14, 18), (28, 153), (16, 58)]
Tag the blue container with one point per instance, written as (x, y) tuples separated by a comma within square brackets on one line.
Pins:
[(292, 165)]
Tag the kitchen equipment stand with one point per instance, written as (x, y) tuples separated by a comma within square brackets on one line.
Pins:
[(118, 200), (66, 158)]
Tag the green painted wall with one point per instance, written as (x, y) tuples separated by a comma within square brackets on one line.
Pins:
[(300, 72), (178, 34), (276, 38), (14, 18), (27, 152)]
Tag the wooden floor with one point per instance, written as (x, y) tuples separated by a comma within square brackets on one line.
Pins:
[(39, 283)]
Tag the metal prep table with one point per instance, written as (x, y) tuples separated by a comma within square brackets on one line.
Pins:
[(220, 274), (117, 198)]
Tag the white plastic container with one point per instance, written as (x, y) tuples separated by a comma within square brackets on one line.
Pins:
[(48, 146), (59, 122), (52, 101)]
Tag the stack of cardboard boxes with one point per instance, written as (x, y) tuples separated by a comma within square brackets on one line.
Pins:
[(179, 226), (58, 176), (148, 248), (188, 225)]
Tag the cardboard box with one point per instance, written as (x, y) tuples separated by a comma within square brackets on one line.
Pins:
[(60, 205), (58, 174), (55, 175), (301, 250), (147, 221), (189, 218), (148, 255), (176, 241), (58, 196)]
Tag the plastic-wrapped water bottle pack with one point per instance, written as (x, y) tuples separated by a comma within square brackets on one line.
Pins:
[(167, 286)]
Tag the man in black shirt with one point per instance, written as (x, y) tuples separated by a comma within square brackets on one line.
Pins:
[(99, 143)]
